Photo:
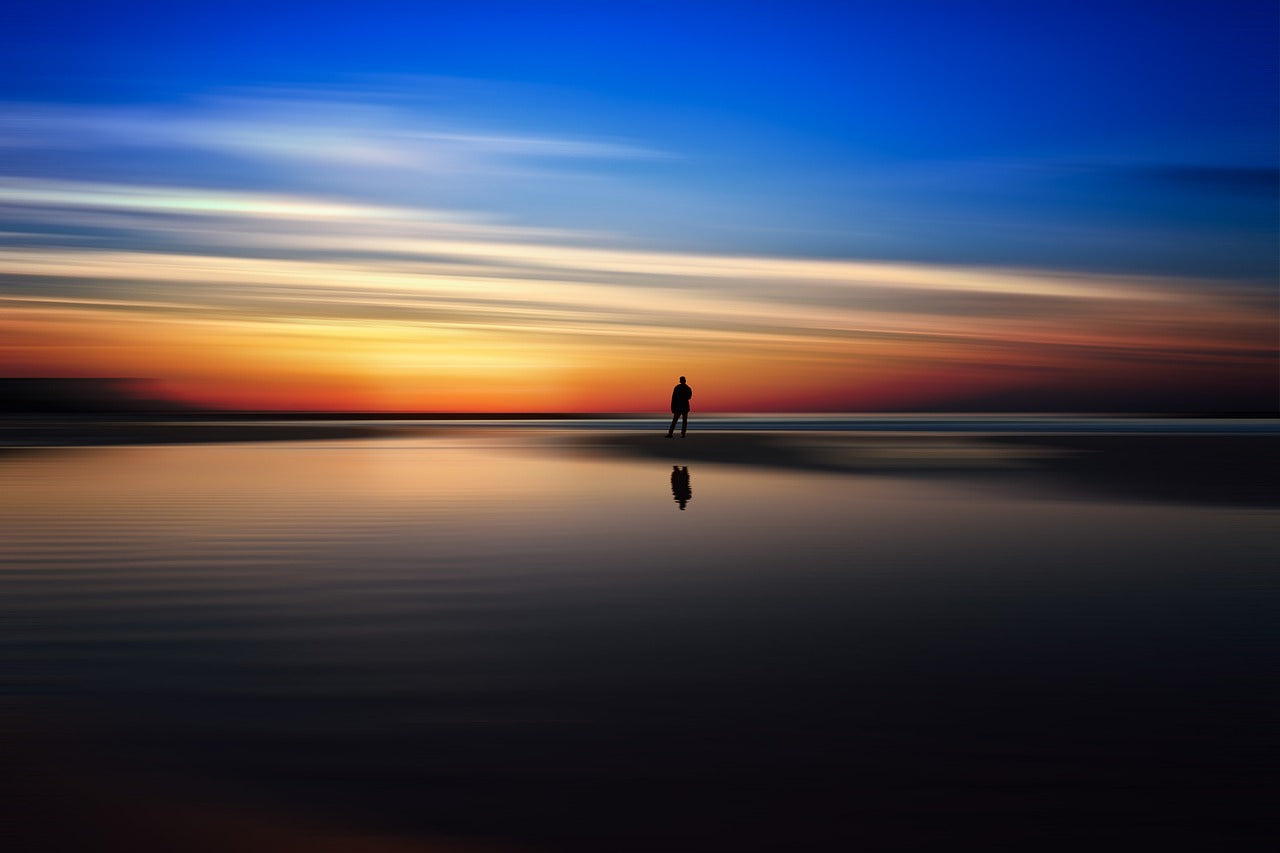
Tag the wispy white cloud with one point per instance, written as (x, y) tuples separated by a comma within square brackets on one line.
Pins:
[(192, 200), (309, 129), (426, 145)]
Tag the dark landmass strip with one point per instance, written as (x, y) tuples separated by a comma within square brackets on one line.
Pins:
[(83, 396)]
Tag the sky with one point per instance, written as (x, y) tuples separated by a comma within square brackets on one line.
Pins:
[(561, 207)]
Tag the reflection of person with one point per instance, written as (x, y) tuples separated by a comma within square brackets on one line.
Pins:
[(680, 485), (680, 396)]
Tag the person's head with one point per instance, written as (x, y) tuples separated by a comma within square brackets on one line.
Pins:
[(681, 380)]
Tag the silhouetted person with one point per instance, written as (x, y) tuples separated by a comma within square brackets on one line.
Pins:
[(680, 485), (680, 408)]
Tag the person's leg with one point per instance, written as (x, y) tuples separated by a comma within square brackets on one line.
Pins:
[(684, 423), (671, 429)]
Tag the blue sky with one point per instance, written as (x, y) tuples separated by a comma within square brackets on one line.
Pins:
[(1131, 136)]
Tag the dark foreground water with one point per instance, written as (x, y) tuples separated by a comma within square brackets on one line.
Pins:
[(510, 639)]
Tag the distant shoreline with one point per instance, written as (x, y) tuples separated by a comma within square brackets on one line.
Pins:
[(189, 415)]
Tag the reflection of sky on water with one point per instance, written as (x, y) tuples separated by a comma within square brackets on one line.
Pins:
[(444, 635)]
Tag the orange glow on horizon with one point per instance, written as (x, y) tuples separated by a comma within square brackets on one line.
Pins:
[(502, 326), (242, 365)]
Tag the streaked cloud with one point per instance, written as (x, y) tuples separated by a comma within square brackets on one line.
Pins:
[(379, 263), (79, 195), (315, 127)]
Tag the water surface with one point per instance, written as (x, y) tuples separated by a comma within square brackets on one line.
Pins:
[(499, 637)]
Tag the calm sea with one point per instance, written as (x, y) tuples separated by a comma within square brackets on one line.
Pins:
[(492, 639)]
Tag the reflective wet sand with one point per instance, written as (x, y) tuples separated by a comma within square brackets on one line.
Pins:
[(585, 640)]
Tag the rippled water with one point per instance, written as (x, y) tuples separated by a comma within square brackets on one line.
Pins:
[(484, 637)]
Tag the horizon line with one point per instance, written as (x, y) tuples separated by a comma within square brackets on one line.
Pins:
[(552, 415)]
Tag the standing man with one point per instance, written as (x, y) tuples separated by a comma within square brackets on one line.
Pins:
[(680, 408)]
